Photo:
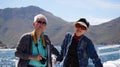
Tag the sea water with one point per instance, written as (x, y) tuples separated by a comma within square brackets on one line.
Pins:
[(106, 53)]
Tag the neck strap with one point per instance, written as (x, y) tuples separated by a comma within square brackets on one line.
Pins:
[(35, 39)]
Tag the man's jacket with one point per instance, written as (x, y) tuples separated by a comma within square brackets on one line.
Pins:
[(85, 50), (24, 50)]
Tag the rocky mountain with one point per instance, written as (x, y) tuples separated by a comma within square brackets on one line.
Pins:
[(16, 21), (2, 45), (106, 33)]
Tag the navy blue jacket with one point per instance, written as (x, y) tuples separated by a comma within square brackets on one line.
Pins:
[(85, 50)]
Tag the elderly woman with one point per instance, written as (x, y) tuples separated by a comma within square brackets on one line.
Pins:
[(77, 48), (34, 48)]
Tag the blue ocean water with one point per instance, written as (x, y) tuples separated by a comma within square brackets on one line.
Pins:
[(106, 53)]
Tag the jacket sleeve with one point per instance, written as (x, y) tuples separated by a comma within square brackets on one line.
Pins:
[(93, 54), (21, 50), (54, 50), (63, 47)]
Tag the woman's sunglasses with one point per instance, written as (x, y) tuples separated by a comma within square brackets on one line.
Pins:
[(40, 22)]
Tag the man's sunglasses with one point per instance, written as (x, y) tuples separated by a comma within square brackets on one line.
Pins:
[(40, 22)]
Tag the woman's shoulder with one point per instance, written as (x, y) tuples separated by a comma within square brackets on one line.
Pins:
[(86, 38), (68, 34), (25, 35)]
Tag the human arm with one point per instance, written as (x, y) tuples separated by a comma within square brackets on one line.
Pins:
[(64, 47), (93, 54), (54, 50), (22, 48)]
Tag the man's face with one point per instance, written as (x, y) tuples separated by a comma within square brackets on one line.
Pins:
[(40, 25), (79, 29)]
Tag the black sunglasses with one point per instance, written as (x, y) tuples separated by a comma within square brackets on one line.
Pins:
[(44, 23)]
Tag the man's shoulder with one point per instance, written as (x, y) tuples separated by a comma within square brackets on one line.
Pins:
[(26, 35)]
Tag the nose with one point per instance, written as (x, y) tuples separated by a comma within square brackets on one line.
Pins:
[(78, 29)]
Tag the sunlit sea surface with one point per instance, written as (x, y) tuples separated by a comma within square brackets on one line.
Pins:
[(106, 53)]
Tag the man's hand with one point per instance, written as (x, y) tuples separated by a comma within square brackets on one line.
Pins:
[(37, 57)]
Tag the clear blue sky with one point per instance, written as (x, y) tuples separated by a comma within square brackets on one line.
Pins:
[(96, 11)]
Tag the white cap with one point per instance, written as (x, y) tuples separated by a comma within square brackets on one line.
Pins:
[(82, 23)]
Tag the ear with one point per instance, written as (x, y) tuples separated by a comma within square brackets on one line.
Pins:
[(33, 23)]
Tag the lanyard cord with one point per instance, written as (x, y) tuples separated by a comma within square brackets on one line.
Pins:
[(35, 41), (37, 48), (36, 44)]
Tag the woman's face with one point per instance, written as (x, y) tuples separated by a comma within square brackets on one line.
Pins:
[(40, 26), (79, 29)]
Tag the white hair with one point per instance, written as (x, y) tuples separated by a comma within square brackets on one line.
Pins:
[(39, 16)]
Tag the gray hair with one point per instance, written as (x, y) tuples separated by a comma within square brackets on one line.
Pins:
[(39, 16)]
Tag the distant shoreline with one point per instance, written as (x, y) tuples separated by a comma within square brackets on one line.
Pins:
[(7, 49)]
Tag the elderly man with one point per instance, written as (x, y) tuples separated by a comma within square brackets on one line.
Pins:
[(34, 48)]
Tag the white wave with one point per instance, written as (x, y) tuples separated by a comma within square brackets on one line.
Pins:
[(115, 63), (108, 53), (107, 47)]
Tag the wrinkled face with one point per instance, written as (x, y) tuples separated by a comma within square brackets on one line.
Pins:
[(79, 29), (40, 25)]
